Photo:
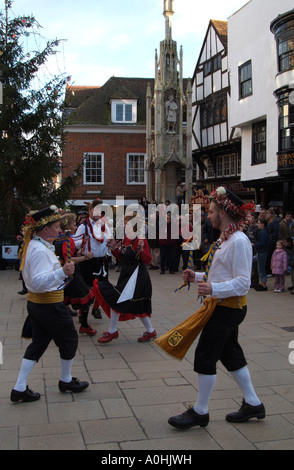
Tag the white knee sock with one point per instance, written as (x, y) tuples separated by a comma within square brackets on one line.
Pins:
[(114, 317), (66, 366), (147, 323), (25, 369), (205, 386), (243, 379)]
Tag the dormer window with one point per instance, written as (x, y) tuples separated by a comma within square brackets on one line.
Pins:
[(124, 111)]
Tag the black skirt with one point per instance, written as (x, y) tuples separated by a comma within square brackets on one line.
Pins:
[(108, 295), (77, 293)]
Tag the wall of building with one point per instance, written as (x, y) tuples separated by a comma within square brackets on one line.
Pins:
[(114, 146), (250, 38)]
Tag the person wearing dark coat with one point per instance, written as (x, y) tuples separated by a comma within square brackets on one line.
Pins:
[(261, 247)]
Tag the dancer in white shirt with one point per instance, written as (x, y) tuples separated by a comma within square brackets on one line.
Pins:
[(91, 237), (228, 278), (48, 316)]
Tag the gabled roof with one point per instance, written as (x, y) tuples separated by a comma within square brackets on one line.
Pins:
[(221, 28), (95, 108)]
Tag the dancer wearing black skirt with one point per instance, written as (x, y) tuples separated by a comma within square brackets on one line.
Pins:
[(76, 293), (131, 297)]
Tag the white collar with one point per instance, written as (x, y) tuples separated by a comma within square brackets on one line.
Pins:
[(47, 244)]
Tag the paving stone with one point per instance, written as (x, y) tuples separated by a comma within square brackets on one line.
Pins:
[(111, 430), (134, 387)]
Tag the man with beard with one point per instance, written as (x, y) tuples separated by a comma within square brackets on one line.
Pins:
[(228, 280)]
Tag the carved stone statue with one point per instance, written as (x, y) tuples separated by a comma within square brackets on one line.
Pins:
[(171, 114)]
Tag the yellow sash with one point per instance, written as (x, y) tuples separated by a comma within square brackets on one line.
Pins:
[(234, 302), (178, 340), (46, 297)]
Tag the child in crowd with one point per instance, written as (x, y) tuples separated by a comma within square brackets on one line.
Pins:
[(279, 266)]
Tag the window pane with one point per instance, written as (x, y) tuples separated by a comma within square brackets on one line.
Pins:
[(203, 115), (245, 79), (136, 169), (207, 68), (219, 166), (93, 168), (210, 169), (217, 112), (128, 112), (239, 165), (233, 165), (286, 54), (119, 112), (224, 110), (217, 63), (259, 142), (227, 169)]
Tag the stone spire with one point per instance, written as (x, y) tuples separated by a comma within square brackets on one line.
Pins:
[(168, 136), (168, 11)]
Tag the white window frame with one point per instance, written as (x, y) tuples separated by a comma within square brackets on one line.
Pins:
[(128, 169), (90, 154), (124, 103)]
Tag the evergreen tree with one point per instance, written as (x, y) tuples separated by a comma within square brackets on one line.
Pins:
[(31, 137)]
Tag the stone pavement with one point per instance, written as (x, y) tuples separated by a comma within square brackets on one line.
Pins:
[(134, 387)]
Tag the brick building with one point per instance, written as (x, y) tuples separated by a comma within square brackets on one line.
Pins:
[(105, 130)]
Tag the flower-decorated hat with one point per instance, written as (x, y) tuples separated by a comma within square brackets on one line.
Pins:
[(235, 208), (37, 220), (231, 203)]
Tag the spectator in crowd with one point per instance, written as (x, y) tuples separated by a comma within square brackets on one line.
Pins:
[(273, 234), (291, 263), (279, 266), (261, 246), (286, 227), (153, 227), (252, 233), (167, 246)]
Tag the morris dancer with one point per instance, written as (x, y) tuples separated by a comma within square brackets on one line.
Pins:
[(228, 279), (49, 317), (76, 293), (92, 236), (131, 297)]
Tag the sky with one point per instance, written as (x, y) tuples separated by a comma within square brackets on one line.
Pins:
[(102, 38)]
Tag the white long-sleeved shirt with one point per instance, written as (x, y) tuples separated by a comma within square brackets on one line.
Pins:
[(230, 272), (98, 249), (42, 271)]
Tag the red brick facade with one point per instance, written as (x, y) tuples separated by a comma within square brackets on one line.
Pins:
[(115, 147), (91, 127)]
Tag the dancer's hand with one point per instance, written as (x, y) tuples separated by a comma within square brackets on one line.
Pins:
[(141, 244), (69, 268), (111, 243), (189, 275), (204, 288)]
